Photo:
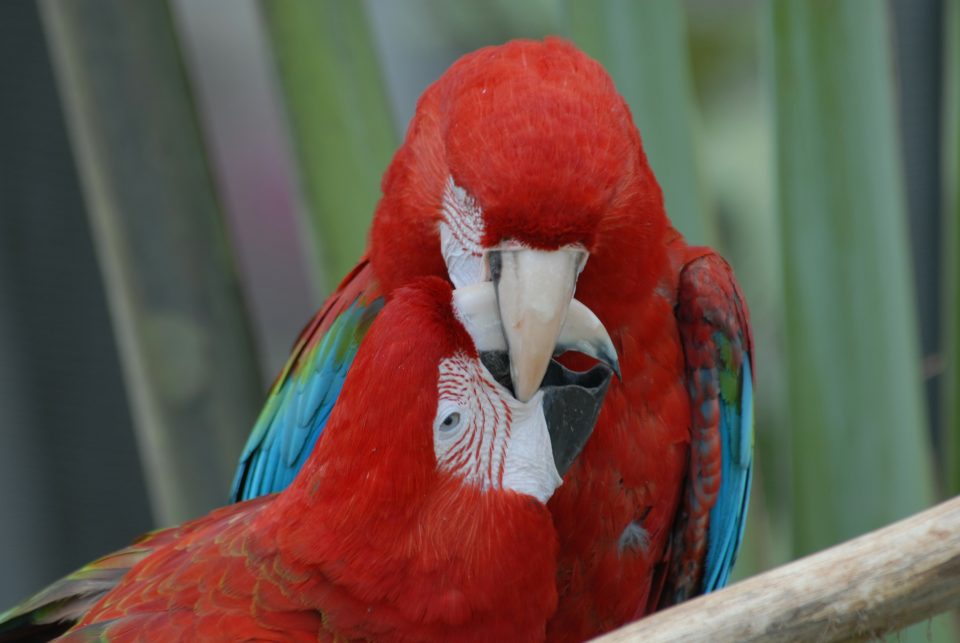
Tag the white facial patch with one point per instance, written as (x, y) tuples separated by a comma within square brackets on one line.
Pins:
[(489, 438), (460, 234)]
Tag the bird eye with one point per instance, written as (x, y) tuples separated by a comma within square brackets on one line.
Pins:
[(450, 422)]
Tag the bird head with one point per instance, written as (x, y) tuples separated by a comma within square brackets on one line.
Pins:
[(521, 164), (424, 500), (423, 397)]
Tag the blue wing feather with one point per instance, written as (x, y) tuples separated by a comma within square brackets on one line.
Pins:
[(299, 405), (715, 331), (729, 514)]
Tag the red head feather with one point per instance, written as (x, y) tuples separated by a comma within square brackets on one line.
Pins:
[(390, 540), (537, 134), (389, 399), (373, 541)]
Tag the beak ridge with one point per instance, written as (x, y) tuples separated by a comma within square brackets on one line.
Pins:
[(510, 315), (534, 290)]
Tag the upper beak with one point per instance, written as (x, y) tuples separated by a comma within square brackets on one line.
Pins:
[(534, 293), (477, 308)]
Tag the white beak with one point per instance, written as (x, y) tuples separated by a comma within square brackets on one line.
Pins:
[(534, 293), (532, 324)]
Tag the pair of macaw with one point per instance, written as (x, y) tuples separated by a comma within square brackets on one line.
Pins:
[(420, 513)]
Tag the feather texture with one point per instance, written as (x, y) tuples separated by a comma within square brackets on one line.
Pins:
[(546, 154), (372, 541), (303, 396), (715, 332)]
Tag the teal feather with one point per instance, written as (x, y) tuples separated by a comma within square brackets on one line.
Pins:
[(299, 406), (715, 330), (729, 514)]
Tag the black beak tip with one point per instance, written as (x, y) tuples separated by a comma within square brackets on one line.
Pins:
[(571, 402), (571, 405), (498, 363)]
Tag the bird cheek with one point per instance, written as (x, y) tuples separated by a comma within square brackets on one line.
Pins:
[(529, 464)]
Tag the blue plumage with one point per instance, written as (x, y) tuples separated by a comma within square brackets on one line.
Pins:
[(715, 330), (298, 407), (729, 514)]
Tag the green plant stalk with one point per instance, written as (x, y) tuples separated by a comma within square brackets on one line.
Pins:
[(862, 457), (181, 326), (644, 47), (340, 118), (951, 252)]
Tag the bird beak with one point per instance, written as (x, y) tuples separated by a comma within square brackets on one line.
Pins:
[(481, 312), (571, 403), (534, 295)]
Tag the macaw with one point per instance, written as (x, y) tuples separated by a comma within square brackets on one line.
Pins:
[(522, 168), (420, 516)]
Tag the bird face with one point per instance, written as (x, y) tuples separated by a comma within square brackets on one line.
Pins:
[(540, 151), (534, 286), (489, 438), (521, 163)]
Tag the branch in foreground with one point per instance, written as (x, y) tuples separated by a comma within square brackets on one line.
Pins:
[(881, 581)]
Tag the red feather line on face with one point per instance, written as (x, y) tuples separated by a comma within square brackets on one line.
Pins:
[(538, 137), (464, 217), (371, 541), (479, 454)]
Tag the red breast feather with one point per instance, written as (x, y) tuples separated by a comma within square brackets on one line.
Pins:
[(371, 540)]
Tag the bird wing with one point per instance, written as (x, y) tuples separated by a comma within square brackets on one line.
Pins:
[(302, 397), (296, 410), (94, 588), (715, 332), (55, 609)]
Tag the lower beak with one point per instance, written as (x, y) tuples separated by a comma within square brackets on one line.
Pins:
[(534, 289), (571, 404)]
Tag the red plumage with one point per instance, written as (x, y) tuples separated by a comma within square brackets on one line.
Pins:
[(371, 541), (537, 134), (541, 143)]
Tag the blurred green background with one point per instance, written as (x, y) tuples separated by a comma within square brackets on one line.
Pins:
[(182, 181)]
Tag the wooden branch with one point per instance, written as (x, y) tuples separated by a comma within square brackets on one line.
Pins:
[(882, 581)]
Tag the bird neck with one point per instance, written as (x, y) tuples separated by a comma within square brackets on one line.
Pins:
[(438, 563)]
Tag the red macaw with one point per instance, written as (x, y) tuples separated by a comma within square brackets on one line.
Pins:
[(522, 167), (419, 517)]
